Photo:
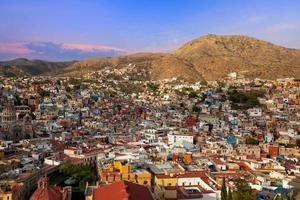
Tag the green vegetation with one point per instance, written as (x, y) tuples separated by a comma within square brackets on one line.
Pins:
[(297, 79), (242, 191), (204, 82), (223, 190), (129, 88), (245, 100), (290, 145), (74, 81), (4, 187), (9, 74), (252, 141), (43, 93), (193, 95), (196, 109), (298, 142), (295, 193), (281, 197), (153, 87), (82, 174), (229, 195), (224, 194), (219, 90), (58, 179)]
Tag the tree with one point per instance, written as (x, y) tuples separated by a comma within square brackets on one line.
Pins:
[(81, 173), (204, 82), (295, 193), (298, 142), (229, 195), (252, 141), (282, 196), (43, 93), (223, 190), (243, 191), (193, 95), (196, 109), (245, 100), (68, 89), (153, 87)]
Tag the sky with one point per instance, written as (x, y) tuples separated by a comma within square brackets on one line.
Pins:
[(77, 29)]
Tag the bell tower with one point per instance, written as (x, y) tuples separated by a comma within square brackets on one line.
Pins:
[(9, 112)]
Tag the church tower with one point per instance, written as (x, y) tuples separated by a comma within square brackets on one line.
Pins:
[(27, 126), (9, 112), (12, 128)]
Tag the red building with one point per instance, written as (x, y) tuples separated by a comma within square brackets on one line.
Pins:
[(273, 151), (191, 121)]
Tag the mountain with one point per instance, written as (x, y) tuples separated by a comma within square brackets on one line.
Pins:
[(209, 57), (170, 66), (23, 66), (158, 65), (214, 56)]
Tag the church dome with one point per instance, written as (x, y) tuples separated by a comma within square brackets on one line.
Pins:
[(46, 192)]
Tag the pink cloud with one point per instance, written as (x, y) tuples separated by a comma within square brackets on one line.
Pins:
[(90, 47), (15, 48)]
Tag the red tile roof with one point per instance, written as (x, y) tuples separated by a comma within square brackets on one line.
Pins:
[(217, 161), (123, 190), (51, 193)]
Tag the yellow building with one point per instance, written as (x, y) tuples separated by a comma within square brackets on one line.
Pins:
[(119, 172), (176, 185), (165, 187), (6, 195), (5, 191)]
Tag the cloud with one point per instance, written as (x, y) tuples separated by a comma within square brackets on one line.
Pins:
[(14, 48), (90, 47), (56, 51)]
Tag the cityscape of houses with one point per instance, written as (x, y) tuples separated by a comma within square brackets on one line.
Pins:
[(107, 136)]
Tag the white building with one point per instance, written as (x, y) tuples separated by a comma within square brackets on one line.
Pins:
[(180, 138), (255, 112)]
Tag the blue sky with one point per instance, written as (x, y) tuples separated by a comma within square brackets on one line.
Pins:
[(76, 29)]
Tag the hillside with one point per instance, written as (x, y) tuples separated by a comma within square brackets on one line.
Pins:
[(214, 56), (209, 57), (22, 66), (172, 66), (158, 65)]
